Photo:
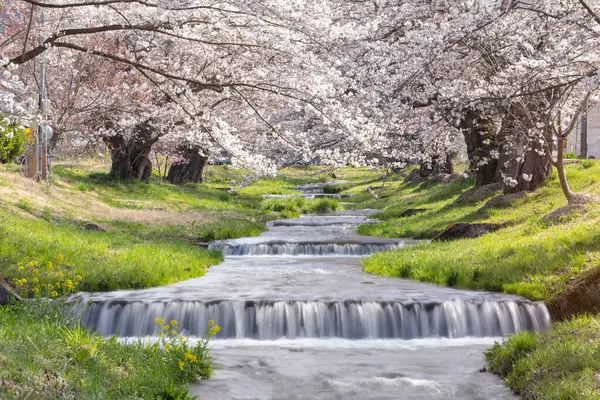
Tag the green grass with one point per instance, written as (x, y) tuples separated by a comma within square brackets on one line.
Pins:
[(157, 195), (562, 363), (293, 207), (532, 256), (221, 229), (45, 356), (105, 260)]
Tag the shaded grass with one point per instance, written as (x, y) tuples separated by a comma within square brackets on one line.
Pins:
[(561, 363), (45, 356)]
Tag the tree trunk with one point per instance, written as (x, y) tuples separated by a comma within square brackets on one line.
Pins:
[(436, 166), (131, 158), (190, 169), (480, 144), (533, 171), (572, 198), (560, 168)]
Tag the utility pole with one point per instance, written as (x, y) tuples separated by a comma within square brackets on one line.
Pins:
[(41, 142)]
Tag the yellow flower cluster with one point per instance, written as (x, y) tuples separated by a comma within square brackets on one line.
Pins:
[(52, 281), (191, 360), (29, 136)]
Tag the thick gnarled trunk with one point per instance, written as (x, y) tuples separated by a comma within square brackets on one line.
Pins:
[(131, 157), (527, 161), (190, 168), (480, 144), (437, 165)]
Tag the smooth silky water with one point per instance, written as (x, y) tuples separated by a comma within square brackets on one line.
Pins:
[(300, 320)]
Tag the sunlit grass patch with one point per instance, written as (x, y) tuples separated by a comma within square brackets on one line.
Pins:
[(561, 363), (44, 355)]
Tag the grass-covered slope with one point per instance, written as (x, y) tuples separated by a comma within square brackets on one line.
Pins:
[(532, 256)]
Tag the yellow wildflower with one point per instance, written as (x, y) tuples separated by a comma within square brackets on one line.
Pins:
[(30, 264), (159, 321), (59, 258), (166, 328), (211, 322), (50, 266), (181, 338), (78, 278), (54, 294), (35, 280), (214, 330), (174, 322), (35, 290), (20, 268), (168, 348), (50, 287), (173, 331), (181, 363), (60, 274)]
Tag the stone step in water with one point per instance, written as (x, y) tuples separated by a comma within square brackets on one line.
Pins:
[(349, 319)]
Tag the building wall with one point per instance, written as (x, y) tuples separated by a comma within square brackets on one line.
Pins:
[(573, 143), (594, 131)]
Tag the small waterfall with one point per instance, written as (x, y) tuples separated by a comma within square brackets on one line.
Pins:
[(268, 320), (308, 249)]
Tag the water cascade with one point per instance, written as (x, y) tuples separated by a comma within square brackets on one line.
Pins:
[(300, 320), (269, 320)]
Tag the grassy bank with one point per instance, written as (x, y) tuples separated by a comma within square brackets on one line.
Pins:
[(559, 364), (45, 356), (532, 256), (104, 260)]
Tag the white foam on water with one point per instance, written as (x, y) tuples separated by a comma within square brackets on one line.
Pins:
[(379, 344)]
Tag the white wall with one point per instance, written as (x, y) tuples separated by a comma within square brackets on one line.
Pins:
[(594, 131)]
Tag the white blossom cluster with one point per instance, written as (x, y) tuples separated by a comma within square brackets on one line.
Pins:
[(278, 82)]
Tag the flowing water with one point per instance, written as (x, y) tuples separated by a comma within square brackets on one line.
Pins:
[(300, 320)]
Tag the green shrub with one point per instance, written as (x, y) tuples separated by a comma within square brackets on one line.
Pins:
[(504, 355), (289, 207), (24, 205), (322, 206), (12, 140), (585, 164), (229, 228), (332, 189), (570, 156)]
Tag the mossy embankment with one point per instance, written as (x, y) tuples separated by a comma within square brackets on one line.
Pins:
[(537, 253)]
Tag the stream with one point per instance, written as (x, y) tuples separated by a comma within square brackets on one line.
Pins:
[(301, 320)]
